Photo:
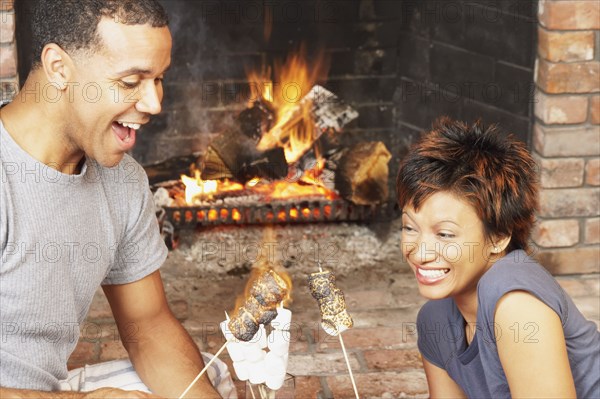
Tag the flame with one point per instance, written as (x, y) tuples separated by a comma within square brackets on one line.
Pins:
[(262, 265), (294, 129), (196, 188)]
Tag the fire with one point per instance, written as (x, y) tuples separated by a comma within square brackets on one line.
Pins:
[(264, 264), (294, 130), (196, 188)]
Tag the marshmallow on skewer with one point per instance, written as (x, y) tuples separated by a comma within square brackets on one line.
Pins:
[(334, 316), (234, 347), (257, 372), (276, 367), (279, 342), (283, 320)]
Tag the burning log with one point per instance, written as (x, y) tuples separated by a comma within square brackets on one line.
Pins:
[(256, 120), (233, 155), (253, 147), (362, 174), (326, 110), (171, 169)]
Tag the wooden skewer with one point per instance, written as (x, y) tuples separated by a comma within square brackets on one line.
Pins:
[(204, 370), (252, 391), (348, 364)]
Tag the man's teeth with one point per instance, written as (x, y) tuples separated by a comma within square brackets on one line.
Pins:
[(134, 126), (433, 273)]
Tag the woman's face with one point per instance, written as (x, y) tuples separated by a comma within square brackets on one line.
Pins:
[(444, 244)]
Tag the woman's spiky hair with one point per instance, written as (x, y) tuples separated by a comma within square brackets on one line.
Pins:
[(496, 174)]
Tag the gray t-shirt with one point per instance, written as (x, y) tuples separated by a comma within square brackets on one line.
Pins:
[(476, 368), (61, 237)]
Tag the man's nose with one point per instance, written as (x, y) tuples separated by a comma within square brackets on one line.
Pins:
[(150, 99)]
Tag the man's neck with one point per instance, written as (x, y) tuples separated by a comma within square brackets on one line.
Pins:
[(39, 132)]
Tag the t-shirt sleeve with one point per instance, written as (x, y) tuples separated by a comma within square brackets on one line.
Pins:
[(517, 272), (141, 250), (430, 326)]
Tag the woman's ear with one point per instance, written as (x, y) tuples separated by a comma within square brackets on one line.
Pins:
[(499, 244)]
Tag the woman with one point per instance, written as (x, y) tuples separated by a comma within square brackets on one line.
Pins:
[(497, 324)]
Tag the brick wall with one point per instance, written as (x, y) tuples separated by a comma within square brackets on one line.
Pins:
[(8, 52), (567, 135)]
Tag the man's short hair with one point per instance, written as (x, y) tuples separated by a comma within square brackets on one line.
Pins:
[(496, 174), (72, 24)]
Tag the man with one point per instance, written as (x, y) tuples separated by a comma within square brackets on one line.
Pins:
[(76, 211)]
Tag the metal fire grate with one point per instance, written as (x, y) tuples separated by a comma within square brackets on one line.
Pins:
[(305, 211)]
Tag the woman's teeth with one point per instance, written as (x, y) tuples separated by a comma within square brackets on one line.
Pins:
[(134, 126), (433, 273)]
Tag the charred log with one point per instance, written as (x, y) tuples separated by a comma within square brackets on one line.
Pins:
[(233, 155), (257, 120), (362, 173), (172, 168)]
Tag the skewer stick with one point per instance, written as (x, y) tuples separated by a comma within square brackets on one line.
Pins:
[(204, 369), (252, 391), (348, 364)]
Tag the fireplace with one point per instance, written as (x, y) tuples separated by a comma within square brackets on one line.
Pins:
[(398, 64)]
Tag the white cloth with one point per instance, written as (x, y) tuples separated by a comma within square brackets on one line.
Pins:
[(120, 374)]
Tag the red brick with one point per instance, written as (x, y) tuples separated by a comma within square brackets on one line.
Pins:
[(553, 109), (569, 14), (369, 299), (595, 109), (569, 202), (100, 308), (592, 231), (561, 172), (95, 332), (6, 5), (179, 308), (556, 233), (321, 363), (567, 141), (380, 385), (570, 260), (8, 61), (393, 359), (574, 286), (240, 387), (578, 77), (7, 27), (8, 89), (592, 172), (365, 338), (84, 353), (112, 350), (308, 387), (565, 46)]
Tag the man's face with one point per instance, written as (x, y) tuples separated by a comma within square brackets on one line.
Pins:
[(117, 89)]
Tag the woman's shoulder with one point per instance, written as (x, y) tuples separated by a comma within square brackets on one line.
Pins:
[(517, 271)]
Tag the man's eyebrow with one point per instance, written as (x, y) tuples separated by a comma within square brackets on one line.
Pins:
[(139, 71)]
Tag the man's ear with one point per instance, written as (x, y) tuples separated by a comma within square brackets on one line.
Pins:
[(57, 65)]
